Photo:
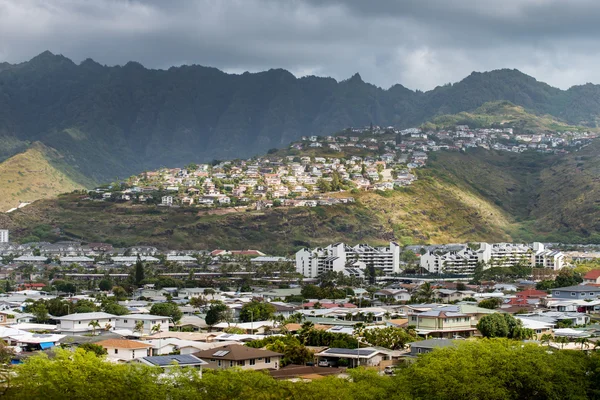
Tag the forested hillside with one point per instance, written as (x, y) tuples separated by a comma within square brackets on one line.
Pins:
[(116, 121)]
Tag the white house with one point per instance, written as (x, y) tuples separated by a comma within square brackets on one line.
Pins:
[(129, 322), (80, 323)]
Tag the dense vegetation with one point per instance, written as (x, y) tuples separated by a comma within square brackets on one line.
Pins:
[(109, 121), (37, 173), (485, 369)]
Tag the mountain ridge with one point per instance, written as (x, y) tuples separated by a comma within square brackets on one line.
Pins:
[(113, 121)]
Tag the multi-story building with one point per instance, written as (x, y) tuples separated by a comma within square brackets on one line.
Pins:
[(492, 255), (452, 262), (506, 254), (3, 235), (336, 257)]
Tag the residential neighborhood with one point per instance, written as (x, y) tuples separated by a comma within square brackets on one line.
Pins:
[(322, 170)]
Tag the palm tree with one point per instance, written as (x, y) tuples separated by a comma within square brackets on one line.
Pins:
[(370, 317), (139, 327), (107, 327), (584, 342), (546, 338), (94, 325), (562, 340), (426, 291), (359, 329), (155, 328)]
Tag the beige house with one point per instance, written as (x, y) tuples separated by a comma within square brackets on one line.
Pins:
[(237, 355), (122, 349), (445, 324)]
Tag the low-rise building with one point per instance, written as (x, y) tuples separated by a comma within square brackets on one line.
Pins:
[(244, 357), (122, 349)]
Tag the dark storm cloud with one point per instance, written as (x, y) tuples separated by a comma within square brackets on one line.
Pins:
[(419, 43)]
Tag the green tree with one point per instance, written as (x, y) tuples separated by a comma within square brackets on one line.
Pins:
[(40, 312), (139, 272), (120, 293), (390, 337), (94, 348), (491, 303), (503, 325), (170, 310), (198, 302), (82, 374), (496, 369), (217, 312), (113, 307), (257, 311), (105, 285)]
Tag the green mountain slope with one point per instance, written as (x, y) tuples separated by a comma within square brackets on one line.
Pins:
[(549, 197), (37, 173), (117, 121), (499, 114)]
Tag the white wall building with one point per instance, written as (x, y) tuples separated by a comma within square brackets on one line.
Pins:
[(492, 255), (3, 235), (336, 257), (129, 322), (80, 323)]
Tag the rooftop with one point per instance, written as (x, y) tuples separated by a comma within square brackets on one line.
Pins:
[(235, 352)]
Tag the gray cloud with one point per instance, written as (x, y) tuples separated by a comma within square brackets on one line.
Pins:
[(418, 43)]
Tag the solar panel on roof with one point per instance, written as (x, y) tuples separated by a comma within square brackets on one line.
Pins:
[(221, 353), (168, 360), (350, 351)]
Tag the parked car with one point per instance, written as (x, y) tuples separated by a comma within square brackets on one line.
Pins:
[(324, 363), (389, 370)]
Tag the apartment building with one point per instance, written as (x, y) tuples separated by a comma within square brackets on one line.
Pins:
[(339, 256), (465, 260)]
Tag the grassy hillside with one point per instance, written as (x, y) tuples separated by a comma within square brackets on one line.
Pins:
[(551, 198), (430, 211), (500, 114), (37, 173), (460, 197)]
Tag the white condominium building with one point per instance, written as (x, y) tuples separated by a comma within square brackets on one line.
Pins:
[(337, 257), (3, 235), (452, 262), (492, 255)]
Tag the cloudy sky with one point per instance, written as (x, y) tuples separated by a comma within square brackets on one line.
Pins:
[(418, 43)]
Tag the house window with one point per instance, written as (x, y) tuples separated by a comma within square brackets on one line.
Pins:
[(219, 363), (212, 360), (573, 294), (79, 322), (231, 363), (242, 363), (267, 360), (125, 321), (253, 362), (132, 353), (116, 351)]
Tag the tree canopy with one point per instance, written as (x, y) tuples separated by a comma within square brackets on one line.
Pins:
[(257, 311)]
